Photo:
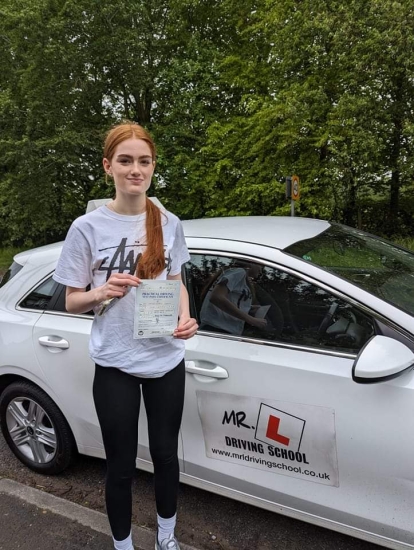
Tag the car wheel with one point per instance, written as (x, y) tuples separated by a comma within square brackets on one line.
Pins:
[(35, 429)]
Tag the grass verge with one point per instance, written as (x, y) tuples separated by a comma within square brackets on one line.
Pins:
[(406, 242), (6, 257)]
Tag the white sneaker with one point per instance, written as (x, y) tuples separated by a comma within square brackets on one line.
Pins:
[(167, 544)]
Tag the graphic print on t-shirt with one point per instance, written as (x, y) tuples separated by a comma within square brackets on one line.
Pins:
[(124, 260), (245, 294)]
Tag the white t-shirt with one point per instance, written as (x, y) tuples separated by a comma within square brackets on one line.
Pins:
[(239, 294), (101, 243)]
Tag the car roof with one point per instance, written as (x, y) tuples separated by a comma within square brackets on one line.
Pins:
[(274, 231)]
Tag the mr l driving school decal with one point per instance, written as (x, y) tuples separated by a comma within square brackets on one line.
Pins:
[(285, 438)]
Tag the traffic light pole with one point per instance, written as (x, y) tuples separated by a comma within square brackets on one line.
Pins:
[(289, 195), (292, 192)]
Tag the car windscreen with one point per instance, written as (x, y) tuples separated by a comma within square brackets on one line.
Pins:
[(374, 264), (10, 273)]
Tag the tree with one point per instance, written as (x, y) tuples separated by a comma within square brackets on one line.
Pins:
[(319, 97), (237, 95)]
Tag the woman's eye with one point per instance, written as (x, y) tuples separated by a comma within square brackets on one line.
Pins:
[(146, 162)]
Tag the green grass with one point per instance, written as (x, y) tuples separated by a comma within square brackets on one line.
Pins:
[(406, 242), (328, 256), (6, 257)]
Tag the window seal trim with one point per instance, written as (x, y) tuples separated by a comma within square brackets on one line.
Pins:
[(67, 314), (295, 347)]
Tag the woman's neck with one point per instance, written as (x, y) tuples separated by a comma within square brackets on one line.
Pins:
[(128, 207)]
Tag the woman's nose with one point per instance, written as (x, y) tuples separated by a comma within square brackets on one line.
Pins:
[(136, 167)]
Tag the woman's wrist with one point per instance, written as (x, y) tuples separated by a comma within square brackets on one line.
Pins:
[(184, 315), (95, 296)]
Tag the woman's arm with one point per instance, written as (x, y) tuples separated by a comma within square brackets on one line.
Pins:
[(79, 300), (187, 326), (220, 299)]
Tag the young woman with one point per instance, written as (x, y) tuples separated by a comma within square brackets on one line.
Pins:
[(228, 303), (106, 252)]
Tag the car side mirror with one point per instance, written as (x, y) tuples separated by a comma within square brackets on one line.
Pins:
[(382, 359)]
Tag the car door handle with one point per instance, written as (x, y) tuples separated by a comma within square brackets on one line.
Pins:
[(206, 369), (53, 342)]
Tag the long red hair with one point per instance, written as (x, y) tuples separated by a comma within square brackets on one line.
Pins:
[(152, 261)]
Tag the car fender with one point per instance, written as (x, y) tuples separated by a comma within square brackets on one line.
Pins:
[(22, 374)]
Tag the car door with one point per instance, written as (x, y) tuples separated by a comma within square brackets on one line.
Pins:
[(274, 415), (61, 344)]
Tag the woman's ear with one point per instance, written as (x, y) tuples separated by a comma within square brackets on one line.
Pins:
[(107, 166)]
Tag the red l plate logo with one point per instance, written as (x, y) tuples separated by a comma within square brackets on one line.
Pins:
[(273, 431)]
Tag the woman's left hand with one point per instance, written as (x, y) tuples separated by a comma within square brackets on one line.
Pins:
[(187, 327)]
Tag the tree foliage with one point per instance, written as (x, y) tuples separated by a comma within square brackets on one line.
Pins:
[(238, 95)]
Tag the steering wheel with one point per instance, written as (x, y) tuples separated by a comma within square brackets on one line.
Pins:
[(327, 320)]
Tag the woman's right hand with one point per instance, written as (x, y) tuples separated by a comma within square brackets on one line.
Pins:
[(255, 322), (116, 286)]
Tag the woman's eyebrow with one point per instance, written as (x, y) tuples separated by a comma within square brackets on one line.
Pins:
[(130, 156)]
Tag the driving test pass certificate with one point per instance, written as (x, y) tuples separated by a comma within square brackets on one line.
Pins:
[(156, 308)]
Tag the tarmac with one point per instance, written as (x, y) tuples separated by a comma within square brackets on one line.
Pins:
[(31, 519)]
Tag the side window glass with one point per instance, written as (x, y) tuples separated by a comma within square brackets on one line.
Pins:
[(59, 304), (248, 299), (41, 296), (201, 273), (10, 273)]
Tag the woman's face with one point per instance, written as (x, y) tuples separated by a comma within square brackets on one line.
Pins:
[(131, 166), (254, 271)]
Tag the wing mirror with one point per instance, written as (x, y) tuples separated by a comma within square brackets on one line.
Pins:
[(382, 359)]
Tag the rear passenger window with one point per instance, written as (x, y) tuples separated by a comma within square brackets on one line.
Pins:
[(10, 273), (41, 297)]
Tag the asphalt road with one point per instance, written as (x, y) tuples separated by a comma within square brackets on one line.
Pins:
[(205, 520)]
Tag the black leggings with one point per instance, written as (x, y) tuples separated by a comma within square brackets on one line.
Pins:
[(117, 397)]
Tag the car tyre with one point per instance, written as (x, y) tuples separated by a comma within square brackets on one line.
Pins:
[(35, 429)]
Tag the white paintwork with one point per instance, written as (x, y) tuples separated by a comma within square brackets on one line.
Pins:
[(373, 422), (277, 232), (383, 357), (96, 203)]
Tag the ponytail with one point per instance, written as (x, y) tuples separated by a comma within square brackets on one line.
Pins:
[(152, 261)]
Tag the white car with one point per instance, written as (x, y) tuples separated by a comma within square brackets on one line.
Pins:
[(308, 412)]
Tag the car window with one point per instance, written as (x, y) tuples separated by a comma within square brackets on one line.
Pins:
[(48, 296), (59, 301), (244, 298), (372, 263), (42, 295), (10, 273)]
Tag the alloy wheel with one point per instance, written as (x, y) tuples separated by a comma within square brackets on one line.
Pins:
[(31, 430)]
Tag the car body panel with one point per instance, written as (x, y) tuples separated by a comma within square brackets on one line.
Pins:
[(366, 428), (276, 232), (308, 378)]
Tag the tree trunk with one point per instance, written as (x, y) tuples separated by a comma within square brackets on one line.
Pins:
[(392, 226)]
